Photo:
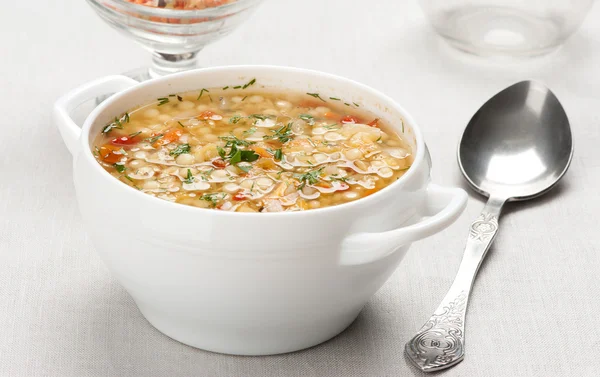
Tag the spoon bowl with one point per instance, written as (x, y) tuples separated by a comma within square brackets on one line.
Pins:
[(518, 145)]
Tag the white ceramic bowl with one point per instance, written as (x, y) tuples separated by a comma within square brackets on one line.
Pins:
[(250, 284)]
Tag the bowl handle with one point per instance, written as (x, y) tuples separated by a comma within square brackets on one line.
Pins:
[(443, 205), (70, 131)]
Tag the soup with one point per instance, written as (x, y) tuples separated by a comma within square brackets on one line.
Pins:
[(245, 150)]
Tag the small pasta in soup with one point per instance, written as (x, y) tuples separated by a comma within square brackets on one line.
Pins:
[(243, 150)]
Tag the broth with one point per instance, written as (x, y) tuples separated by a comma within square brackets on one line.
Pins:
[(244, 150)]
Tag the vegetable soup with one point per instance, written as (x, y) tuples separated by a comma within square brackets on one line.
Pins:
[(245, 150)]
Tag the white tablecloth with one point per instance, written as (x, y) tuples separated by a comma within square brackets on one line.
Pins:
[(536, 303)]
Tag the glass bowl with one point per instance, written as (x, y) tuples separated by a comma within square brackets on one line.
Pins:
[(173, 36), (513, 28)]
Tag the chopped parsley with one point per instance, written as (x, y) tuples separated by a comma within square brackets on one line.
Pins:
[(278, 155), (283, 133), (250, 131), (309, 178), (135, 134), (234, 141), (154, 139), (337, 177), (236, 154), (180, 149), (96, 151), (316, 95), (201, 93), (179, 98), (190, 178), (119, 167), (251, 82), (355, 104), (118, 123), (213, 198), (331, 126), (204, 175), (334, 98), (346, 103), (260, 116), (307, 118), (181, 124), (235, 119), (244, 98), (163, 100), (245, 168), (237, 87), (226, 87)]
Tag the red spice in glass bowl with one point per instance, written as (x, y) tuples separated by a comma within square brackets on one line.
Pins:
[(182, 4)]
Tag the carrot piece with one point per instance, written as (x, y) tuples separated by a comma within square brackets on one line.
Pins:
[(374, 123), (108, 155), (167, 138), (262, 152)]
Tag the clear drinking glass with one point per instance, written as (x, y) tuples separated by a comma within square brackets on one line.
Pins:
[(174, 31), (517, 28)]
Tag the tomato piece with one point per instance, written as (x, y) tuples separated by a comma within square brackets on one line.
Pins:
[(349, 119), (219, 163), (240, 196), (374, 123), (207, 114), (167, 138), (124, 140), (110, 153)]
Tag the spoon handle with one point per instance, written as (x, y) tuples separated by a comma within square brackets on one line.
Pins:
[(439, 343)]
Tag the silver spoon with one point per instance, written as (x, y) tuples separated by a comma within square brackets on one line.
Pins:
[(516, 147)]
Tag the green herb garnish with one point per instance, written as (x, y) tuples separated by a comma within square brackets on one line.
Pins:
[(245, 168), (116, 124), (181, 124), (154, 139), (213, 198), (180, 149), (204, 175), (307, 118), (316, 95), (334, 98), (135, 134), (201, 93), (355, 104), (179, 98), (119, 167), (163, 100), (310, 177), (226, 87), (278, 155), (235, 119), (250, 131), (283, 133), (234, 141), (260, 116), (346, 103), (336, 177), (251, 82), (244, 98), (330, 126), (237, 87), (190, 178)]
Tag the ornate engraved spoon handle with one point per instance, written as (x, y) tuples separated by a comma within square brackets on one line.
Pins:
[(439, 343)]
